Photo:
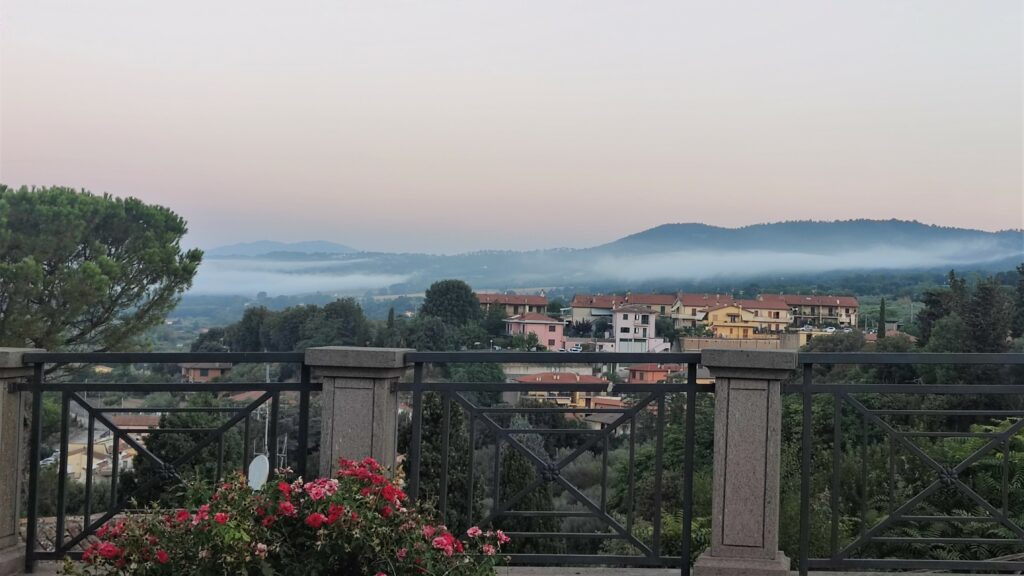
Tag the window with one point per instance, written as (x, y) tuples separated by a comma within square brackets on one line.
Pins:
[(551, 328), (204, 372), (645, 318), (624, 330), (625, 316), (551, 343), (662, 309)]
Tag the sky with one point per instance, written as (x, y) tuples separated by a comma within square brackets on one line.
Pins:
[(449, 125)]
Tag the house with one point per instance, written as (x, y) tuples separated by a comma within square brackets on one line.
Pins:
[(570, 398), (513, 304), (653, 373), (589, 307), (819, 310), (689, 309), (633, 330), (550, 331), (736, 320), (203, 371)]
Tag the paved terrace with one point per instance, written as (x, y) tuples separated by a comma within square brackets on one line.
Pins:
[(360, 390)]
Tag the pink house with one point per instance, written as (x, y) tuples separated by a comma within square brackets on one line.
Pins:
[(550, 332)]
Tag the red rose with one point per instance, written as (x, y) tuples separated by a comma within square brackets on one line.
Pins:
[(316, 520)]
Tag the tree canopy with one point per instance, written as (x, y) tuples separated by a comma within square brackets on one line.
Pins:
[(453, 301), (80, 271)]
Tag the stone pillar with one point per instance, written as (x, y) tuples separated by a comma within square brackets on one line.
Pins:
[(360, 402), (745, 494), (13, 441)]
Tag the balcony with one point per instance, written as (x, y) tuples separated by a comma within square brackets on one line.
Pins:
[(804, 462)]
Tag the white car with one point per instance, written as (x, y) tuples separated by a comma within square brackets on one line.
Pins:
[(830, 330), (576, 348)]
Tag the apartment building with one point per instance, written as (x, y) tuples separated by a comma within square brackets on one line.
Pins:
[(819, 310), (633, 330), (513, 304)]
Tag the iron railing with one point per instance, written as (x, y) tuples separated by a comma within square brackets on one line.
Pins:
[(870, 463), (901, 519), (74, 396), (493, 426)]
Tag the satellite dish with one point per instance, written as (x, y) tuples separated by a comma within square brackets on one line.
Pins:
[(259, 471)]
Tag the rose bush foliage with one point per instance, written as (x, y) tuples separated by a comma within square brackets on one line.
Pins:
[(358, 522)]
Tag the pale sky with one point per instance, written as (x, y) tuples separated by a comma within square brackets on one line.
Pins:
[(447, 125)]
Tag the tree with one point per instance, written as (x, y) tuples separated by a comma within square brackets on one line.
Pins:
[(517, 473), (391, 335), (665, 327), (245, 335), (1017, 329), (555, 307), (494, 321), (340, 323), (987, 316), (428, 333), (881, 319), (86, 272), (453, 301), (431, 463), (936, 306)]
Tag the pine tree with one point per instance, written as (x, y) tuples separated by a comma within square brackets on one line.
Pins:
[(1017, 330), (517, 472)]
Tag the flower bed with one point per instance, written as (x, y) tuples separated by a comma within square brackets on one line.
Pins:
[(356, 523)]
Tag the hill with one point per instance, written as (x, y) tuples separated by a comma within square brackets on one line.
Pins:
[(265, 247)]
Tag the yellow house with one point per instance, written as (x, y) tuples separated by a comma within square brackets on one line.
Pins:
[(735, 321)]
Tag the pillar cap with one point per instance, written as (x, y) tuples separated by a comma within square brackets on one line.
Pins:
[(12, 357), (757, 364), (357, 357)]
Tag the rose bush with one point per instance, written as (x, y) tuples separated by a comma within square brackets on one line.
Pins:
[(358, 522)]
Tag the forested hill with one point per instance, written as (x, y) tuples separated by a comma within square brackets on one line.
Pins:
[(812, 237), (671, 253)]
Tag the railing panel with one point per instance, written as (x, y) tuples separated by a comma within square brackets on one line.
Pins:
[(516, 462), (916, 475), (87, 429)]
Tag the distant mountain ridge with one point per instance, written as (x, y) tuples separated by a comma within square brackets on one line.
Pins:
[(812, 237), (671, 253), (265, 247)]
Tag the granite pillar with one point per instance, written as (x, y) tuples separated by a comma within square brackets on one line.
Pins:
[(360, 402), (13, 441), (745, 493)]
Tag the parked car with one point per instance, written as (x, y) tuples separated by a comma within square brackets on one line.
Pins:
[(576, 348), (830, 330)]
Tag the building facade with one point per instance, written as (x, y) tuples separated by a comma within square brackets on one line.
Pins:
[(550, 332), (513, 304), (633, 330)]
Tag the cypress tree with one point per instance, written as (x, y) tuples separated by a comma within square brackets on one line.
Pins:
[(881, 320)]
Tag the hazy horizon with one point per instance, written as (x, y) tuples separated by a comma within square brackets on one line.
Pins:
[(450, 126)]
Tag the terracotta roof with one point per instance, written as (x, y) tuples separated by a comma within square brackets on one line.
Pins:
[(521, 299), (770, 304), (655, 367), (700, 300), (595, 301), (560, 378), (809, 300), (135, 420), (729, 305), (651, 299), (639, 308), (534, 317), (246, 397), (606, 402), (207, 365)]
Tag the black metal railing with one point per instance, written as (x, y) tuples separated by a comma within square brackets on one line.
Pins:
[(75, 401), (910, 474), (497, 429)]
